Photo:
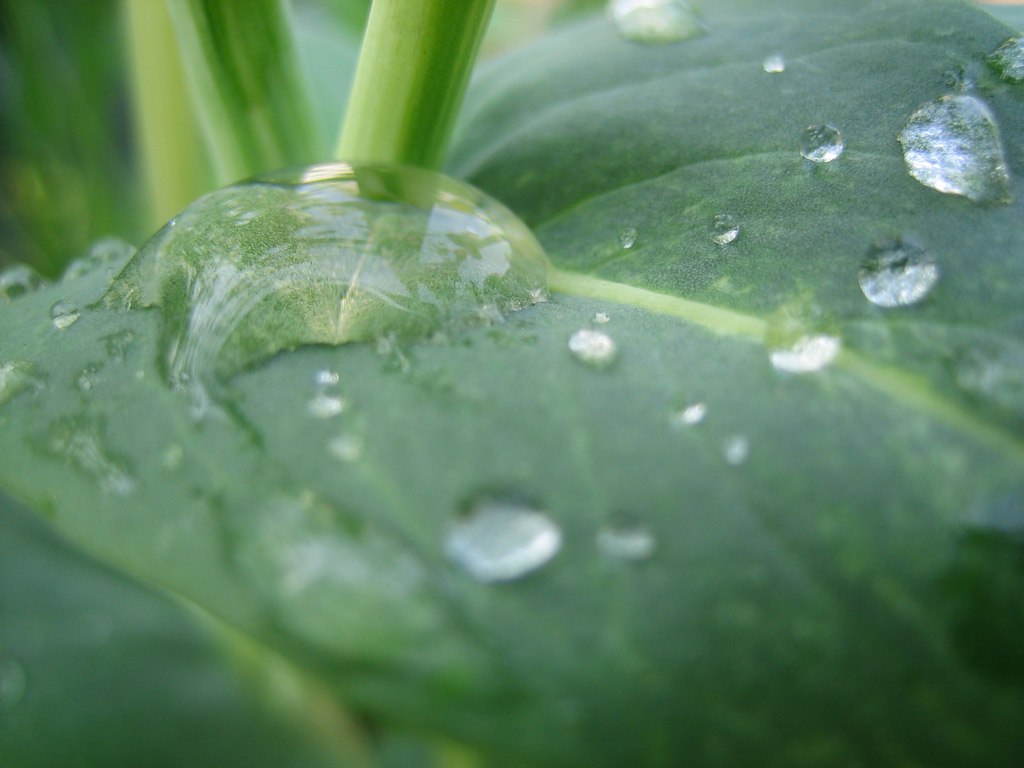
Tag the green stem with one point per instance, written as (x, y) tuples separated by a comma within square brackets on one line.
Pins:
[(246, 84), (413, 70), (167, 135)]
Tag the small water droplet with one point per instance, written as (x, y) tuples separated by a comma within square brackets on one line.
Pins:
[(655, 21), (13, 684), (64, 314), (16, 377), (1008, 59), (897, 273), (689, 416), (821, 143), (724, 228), (332, 254), (327, 378), (774, 64), (593, 347), (346, 448), (807, 355), (736, 449), (118, 344), (18, 280), (87, 378), (109, 254), (627, 237), (325, 406), (952, 145), (172, 457), (601, 318), (503, 541), (626, 538), (82, 446)]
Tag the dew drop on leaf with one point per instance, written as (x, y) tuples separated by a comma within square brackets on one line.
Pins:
[(689, 416), (118, 344), (594, 348), (1008, 59), (172, 457), (64, 314), (736, 449), (808, 354), (13, 683), (17, 280), (503, 540), (327, 254), (80, 444), (601, 318), (774, 64), (87, 378), (16, 377), (325, 406), (724, 228), (897, 273), (109, 254), (952, 145), (821, 143), (346, 448), (627, 237), (626, 538), (655, 21)]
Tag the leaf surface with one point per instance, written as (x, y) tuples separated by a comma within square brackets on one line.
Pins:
[(837, 556)]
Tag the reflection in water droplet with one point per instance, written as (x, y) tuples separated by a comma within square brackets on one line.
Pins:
[(87, 378), (897, 273), (13, 684), (324, 406), (724, 228), (737, 449), (689, 416), (774, 64), (808, 354), (952, 145), (593, 347), (18, 280), (346, 448), (601, 318), (109, 254), (16, 377), (655, 21), (627, 237), (64, 314), (81, 445), (821, 143), (328, 254), (503, 540), (1008, 59), (626, 538)]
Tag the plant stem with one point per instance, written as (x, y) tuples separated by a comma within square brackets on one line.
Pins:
[(167, 134), (246, 84), (413, 70)]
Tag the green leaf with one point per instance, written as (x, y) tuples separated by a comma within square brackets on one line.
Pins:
[(98, 671), (837, 555)]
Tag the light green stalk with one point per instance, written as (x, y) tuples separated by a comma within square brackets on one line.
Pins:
[(413, 70), (246, 84), (168, 142)]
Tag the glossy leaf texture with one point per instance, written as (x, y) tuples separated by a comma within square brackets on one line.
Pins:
[(787, 519)]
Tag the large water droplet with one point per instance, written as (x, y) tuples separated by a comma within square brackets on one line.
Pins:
[(18, 280), (109, 255), (808, 354), (897, 273), (503, 540), (724, 228), (626, 538), (327, 254), (13, 684), (1008, 59), (627, 237), (593, 347), (16, 377), (821, 143), (655, 21), (64, 314), (774, 64), (952, 145)]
